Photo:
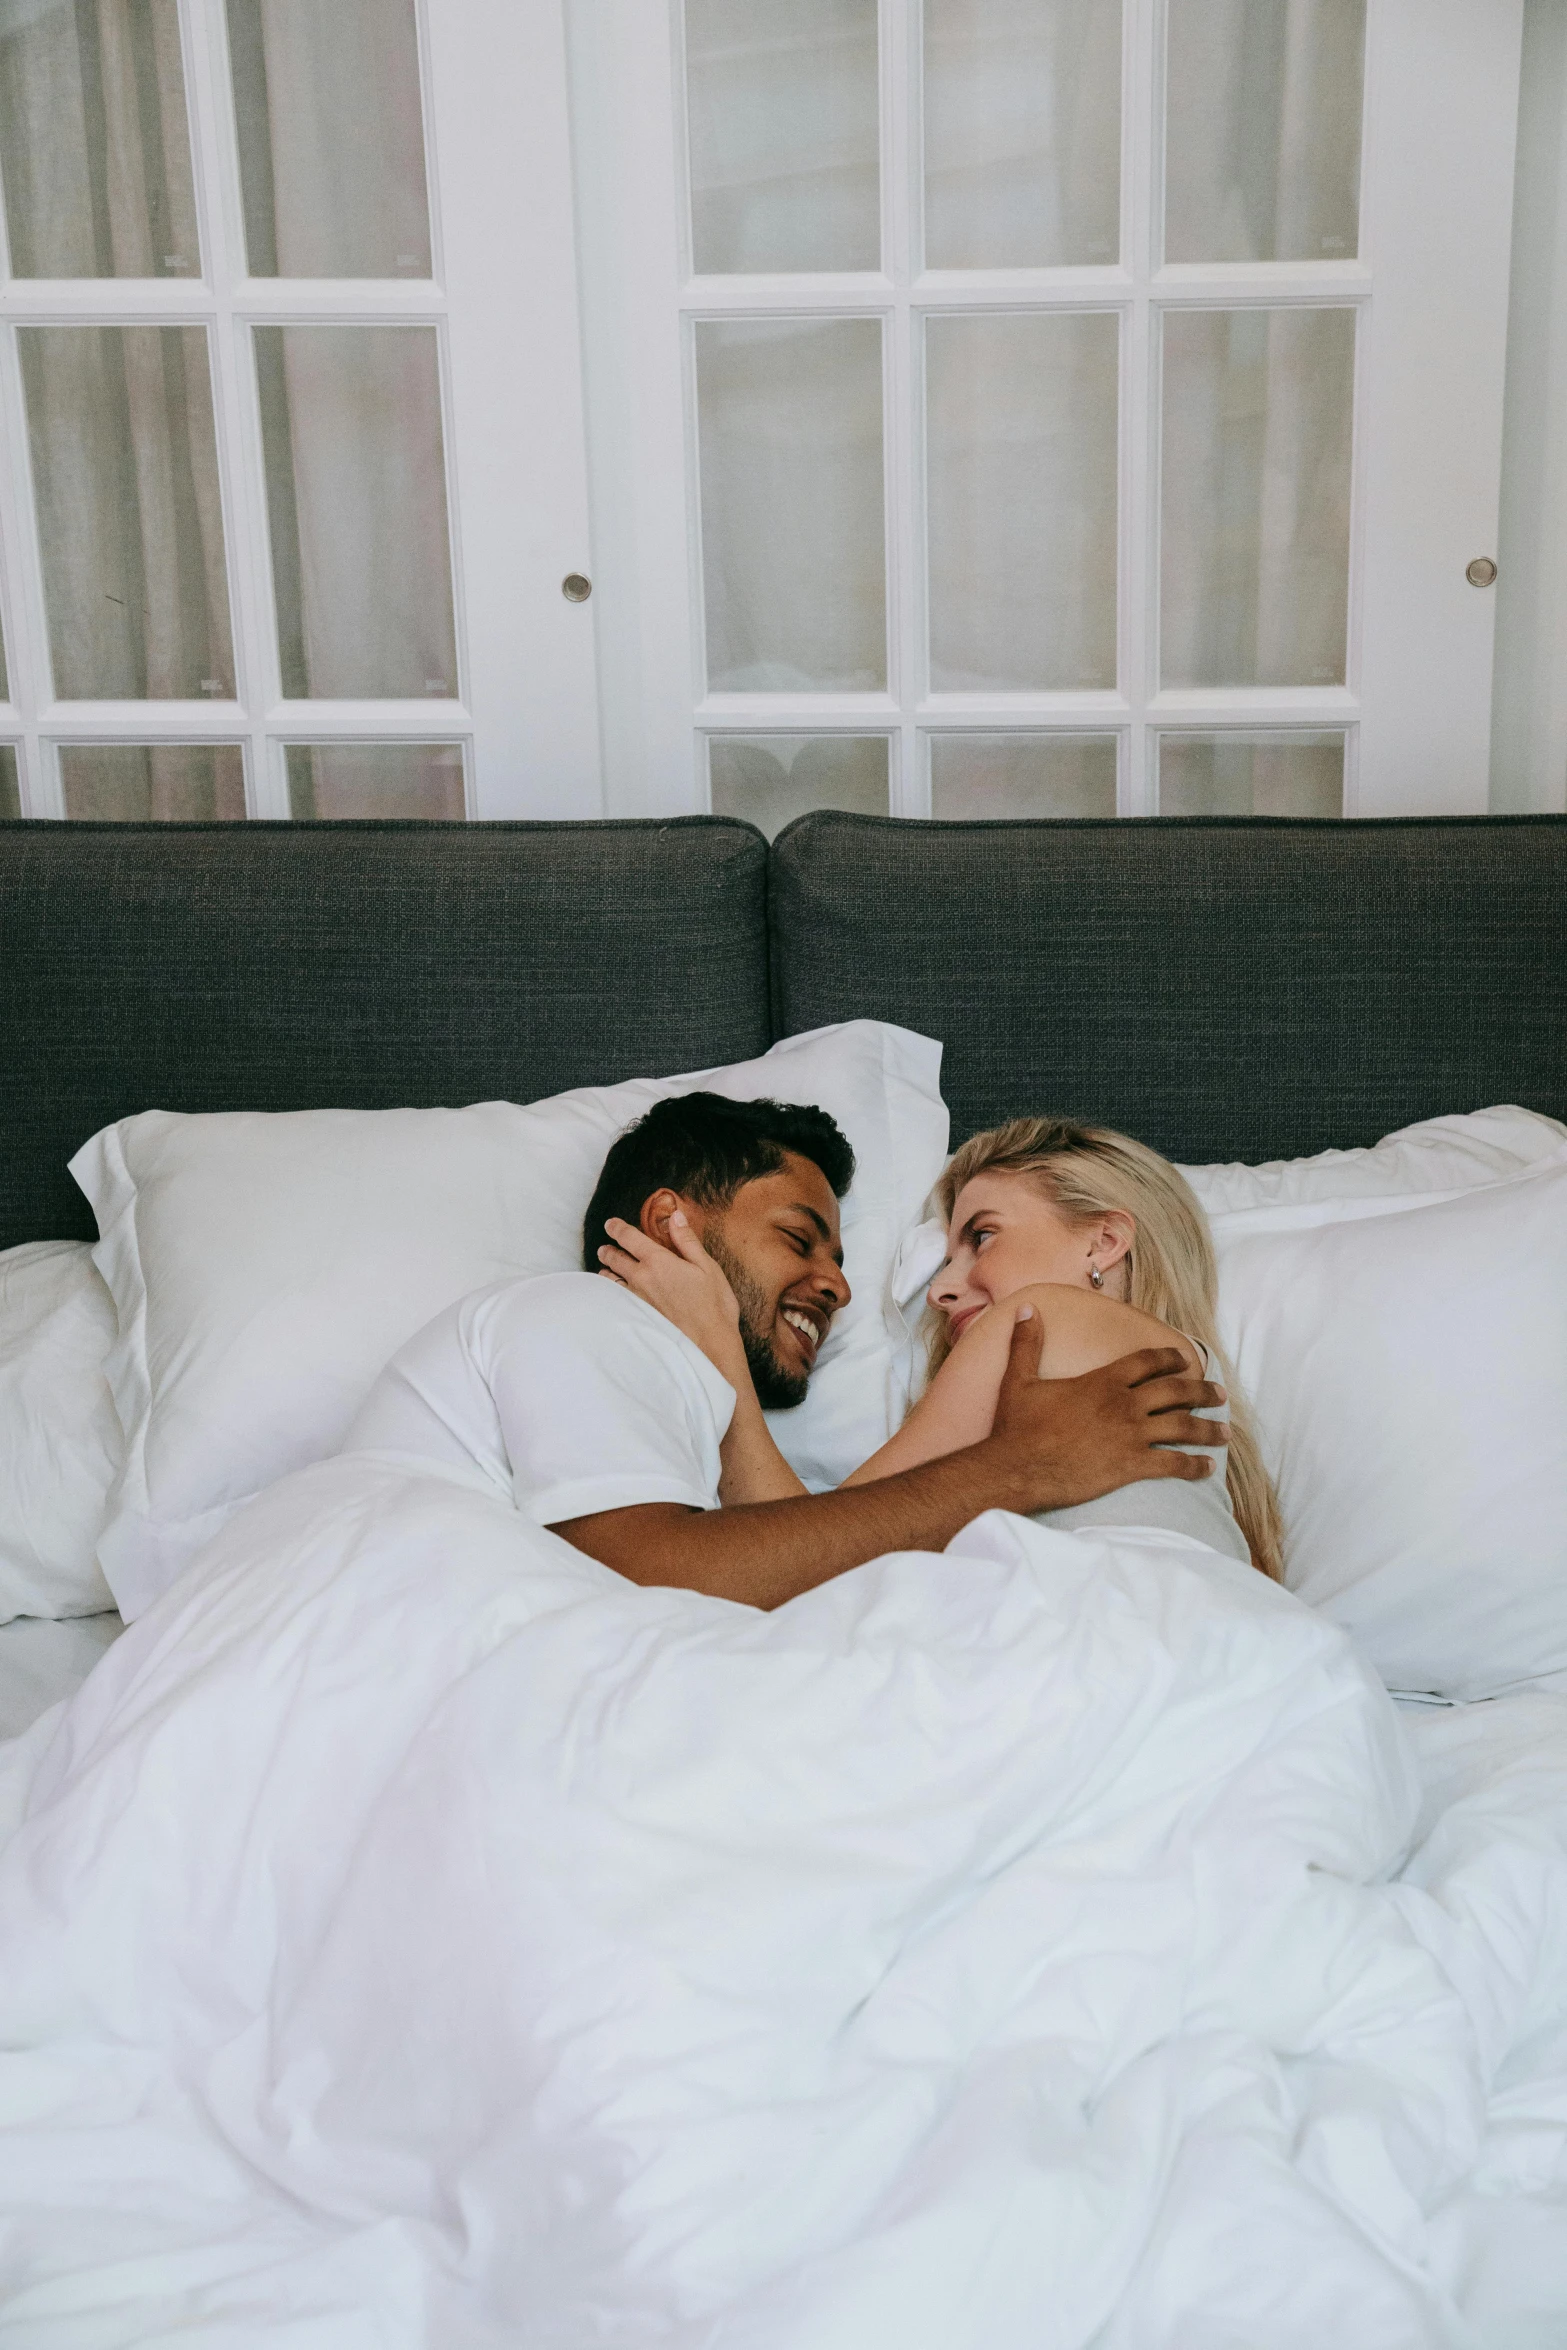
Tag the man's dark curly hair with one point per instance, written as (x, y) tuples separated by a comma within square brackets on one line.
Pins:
[(705, 1146)]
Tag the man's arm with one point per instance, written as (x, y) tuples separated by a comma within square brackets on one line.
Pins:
[(1054, 1442)]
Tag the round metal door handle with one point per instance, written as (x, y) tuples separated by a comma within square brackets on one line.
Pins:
[(576, 589), (1481, 572)]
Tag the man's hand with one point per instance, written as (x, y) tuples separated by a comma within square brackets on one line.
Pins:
[(1070, 1440)]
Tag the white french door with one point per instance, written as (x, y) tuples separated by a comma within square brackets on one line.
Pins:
[(992, 406), (290, 402), (1045, 406)]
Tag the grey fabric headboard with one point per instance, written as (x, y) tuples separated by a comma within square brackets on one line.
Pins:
[(1222, 988), (279, 966)]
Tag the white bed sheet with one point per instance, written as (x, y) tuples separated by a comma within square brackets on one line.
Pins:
[(42, 1661), (417, 1936), (1490, 1843)]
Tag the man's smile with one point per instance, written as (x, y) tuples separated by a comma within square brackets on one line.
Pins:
[(807, 1327)]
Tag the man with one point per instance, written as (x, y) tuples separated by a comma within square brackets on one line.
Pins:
[(600, 1420)]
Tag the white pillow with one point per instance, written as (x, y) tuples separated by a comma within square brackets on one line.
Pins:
[(59, 1439), (1406, 1554), (1435, 1158), (264, 1267), (1408, 1374), (1417, 1166)]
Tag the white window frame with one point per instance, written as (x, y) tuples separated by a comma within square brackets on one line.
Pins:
[(502, 299)]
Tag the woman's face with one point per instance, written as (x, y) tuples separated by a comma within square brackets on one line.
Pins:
[(1005, 1234)]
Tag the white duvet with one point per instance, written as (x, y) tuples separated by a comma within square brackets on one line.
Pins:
[(415, 1935)]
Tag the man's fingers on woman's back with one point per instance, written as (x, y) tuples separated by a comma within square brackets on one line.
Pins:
[(1151, 1362), (1161, 1399), (1164, 1384), (1192, 1466)]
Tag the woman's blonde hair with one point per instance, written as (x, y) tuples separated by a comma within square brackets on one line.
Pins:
[(1086, 1171)]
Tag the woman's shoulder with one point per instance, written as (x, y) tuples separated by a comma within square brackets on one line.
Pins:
[(1084, 1330)]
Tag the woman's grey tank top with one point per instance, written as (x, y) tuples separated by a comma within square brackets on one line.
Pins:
[(1202, 1511)]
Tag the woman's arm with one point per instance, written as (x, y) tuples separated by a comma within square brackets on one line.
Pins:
[(1082, 1333), (685, 1285)]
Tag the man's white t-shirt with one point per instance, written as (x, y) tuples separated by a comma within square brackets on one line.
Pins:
[(566, 1394)]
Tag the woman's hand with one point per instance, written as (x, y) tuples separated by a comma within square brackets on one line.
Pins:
[(689, 1289), (685, 1286)]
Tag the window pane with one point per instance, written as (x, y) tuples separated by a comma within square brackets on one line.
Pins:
[(331, 137), (996, 775), (94, 141), (1251, 775), (356, 498), (1022, 133), (125, 469), (375, 779), (1022, 453), (169, 783), (772, 778), (789, 417), (1262, 157), (782, 106), (10, 784), (1258, 415)]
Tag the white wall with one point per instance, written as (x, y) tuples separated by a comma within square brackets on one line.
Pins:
[(1529, 707)]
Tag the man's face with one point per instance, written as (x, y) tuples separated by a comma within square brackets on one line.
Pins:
[(779, 1247)]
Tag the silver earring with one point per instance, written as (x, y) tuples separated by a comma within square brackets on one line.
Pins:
[(1096, 1278)]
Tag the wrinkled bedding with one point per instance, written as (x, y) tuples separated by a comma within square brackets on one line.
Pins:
[(412, 1934), (43, 1659)]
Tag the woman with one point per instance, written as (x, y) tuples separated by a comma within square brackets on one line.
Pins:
[(1091, 1231)]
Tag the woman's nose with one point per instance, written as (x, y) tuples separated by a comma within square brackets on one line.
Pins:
[(943, 1289)]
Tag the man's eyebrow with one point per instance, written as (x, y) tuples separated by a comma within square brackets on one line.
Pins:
[(823, 1227)]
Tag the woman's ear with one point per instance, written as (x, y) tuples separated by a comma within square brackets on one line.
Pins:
[(1112, 1238)]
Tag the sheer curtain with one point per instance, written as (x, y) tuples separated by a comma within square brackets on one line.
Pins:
[(1262, 164), (789, 423), (781, 109), (95, 150), (96, 157), (1254, 552), (1263, 129), (1021, 441), (332, 154), (331, 137), (1022, 125), (94, 143)]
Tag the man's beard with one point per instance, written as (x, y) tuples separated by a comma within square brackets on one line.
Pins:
[(777, 1389)]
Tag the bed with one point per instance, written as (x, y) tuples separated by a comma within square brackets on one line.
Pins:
[(1254, 2168)]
